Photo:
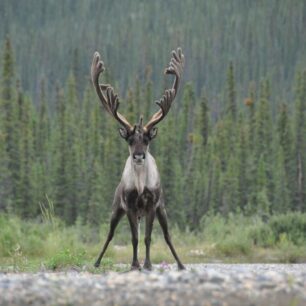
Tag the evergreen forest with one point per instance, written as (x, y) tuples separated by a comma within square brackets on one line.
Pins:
[(234, 141)]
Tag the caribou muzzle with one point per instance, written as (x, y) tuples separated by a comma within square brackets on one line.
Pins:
[(139, 158)]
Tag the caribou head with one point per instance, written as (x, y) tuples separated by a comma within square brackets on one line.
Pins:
[(139, 192), (138, 141)]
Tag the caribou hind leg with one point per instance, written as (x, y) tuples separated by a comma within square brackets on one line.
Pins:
[(162, 218), (133, 220), (116, 217)]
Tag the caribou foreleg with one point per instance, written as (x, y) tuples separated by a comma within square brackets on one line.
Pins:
[(133, 220), (149, 226)]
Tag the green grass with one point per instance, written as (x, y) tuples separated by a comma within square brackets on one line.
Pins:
[(48, 244)]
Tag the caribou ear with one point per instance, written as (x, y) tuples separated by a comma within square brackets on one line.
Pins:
[(152, 132), (123, 133)]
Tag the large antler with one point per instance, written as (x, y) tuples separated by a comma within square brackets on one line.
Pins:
[(110, 101), (176, 66)]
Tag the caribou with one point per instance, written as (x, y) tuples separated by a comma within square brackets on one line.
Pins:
[(139, 193)]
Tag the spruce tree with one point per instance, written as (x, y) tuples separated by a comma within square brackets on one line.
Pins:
[(131, 107), (27, 206), (139, 105), (185, 122), (148, 96), (242, 169), (300, 144), (97, 212), (264, 140), (4, 171), (204, 120), (72, 118), (229, 188), (215, 186), (167, 159), (42, 146), (282, 193), (61, 150), (231, 93), (10, 125), (250, 104), (285, 152), (263, 203)]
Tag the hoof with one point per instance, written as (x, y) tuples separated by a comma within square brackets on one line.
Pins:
[(147, 266), (181, 267), (97, 264), (135, 266)]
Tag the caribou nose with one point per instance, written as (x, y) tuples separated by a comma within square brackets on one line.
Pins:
[(139, 156)]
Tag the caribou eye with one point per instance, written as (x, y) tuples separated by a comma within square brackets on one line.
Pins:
[(146, 140), (130, 141)]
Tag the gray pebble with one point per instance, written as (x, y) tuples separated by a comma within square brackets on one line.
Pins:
[(209, 284)]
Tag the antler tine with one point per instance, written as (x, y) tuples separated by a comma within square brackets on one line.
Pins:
[(111, 100), (175, 67)]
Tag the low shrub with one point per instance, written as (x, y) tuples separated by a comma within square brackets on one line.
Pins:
[(234, 246), (262, 235), (288, 251), (10, 234), (66, 258), (292, 224)]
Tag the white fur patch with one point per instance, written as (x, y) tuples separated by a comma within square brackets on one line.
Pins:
[(140, 176)]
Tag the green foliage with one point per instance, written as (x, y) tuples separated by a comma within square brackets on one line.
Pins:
[(238, 235), (227, 234), (66, 258), (236, 171), (291, 224), (262, 235), (300, 143), (289, 252), (35, 245), (213, 155), (9, 129), (231, 93), (283, 229), (10, 235), (234, 247), (257, 37)]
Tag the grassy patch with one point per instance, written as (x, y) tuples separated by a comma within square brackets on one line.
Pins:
[(66, 258), (48, 244)]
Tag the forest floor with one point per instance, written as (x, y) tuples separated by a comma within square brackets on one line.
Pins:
[(199, 284)]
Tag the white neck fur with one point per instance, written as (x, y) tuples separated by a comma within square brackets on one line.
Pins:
[(140, 176)]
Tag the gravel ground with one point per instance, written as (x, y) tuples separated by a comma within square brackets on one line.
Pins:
[(200, 284)]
